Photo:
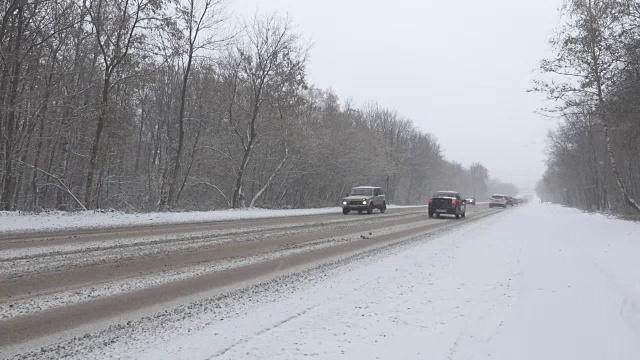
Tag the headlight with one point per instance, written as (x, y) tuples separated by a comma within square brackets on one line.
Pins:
[(364, 202), (344, 203)]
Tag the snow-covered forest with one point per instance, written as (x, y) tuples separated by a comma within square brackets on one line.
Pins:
[(145, 105), (594, 155)]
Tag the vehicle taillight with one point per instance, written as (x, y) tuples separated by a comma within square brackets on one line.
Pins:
[(454, 202), (430, 201)]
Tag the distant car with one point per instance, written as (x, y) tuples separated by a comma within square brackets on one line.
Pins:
[(498, 200), (447, 202), (510, 200), (364, 198), (471, 201)]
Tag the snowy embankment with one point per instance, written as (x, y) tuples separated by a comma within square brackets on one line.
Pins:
[(58, 220), (537, 282), (14, 222)]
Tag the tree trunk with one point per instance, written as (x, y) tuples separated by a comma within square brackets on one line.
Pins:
[(191, 161), (237, 192), (273, 175), (10, 180), (141, 129), (95, 145), (36, 160), (614, 167), (177, 160), (4, 81)]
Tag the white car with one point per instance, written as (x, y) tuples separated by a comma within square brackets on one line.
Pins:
[(498, 200)]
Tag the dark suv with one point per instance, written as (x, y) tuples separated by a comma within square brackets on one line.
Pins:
[(364, 198), (447, 202), (510, 200)]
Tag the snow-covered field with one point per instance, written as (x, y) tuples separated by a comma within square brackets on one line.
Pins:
[(13, 222), (538, 282)]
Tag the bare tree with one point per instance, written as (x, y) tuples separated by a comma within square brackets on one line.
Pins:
[(24, 27), (269, 57), (117, 28), (588, 54), (203, 22)]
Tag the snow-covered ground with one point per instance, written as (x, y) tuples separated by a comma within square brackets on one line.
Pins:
[(536, 282), (59, 220), (13, 222)]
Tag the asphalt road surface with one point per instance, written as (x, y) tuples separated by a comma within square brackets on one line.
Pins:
[(54, 286)]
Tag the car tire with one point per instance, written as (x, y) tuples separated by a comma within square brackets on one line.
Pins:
[(370, 209), (383, 208), (457, 214), (359, 211), (464, 214), (431, 215), (490, 206), (345, 211)]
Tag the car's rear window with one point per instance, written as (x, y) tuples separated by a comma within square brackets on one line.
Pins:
[(445, 194), (497, 197)]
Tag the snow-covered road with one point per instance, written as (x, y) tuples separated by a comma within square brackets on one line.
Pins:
[(538, 282)]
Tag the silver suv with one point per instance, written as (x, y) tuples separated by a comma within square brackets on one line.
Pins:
[(364, 198), (498, 200)]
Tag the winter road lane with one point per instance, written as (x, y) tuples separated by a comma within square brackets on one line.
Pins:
[(344, 236)]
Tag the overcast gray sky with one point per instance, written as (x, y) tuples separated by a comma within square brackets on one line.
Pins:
[(458, 69)]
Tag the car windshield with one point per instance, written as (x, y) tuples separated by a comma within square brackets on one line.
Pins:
[(497, 197), (445, 194), (361, 192)]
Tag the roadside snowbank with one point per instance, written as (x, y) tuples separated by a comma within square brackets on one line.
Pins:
[(58, 220), (538, 282), (16, 222)]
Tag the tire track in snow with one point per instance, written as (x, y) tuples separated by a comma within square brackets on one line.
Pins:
[(261, 332)]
